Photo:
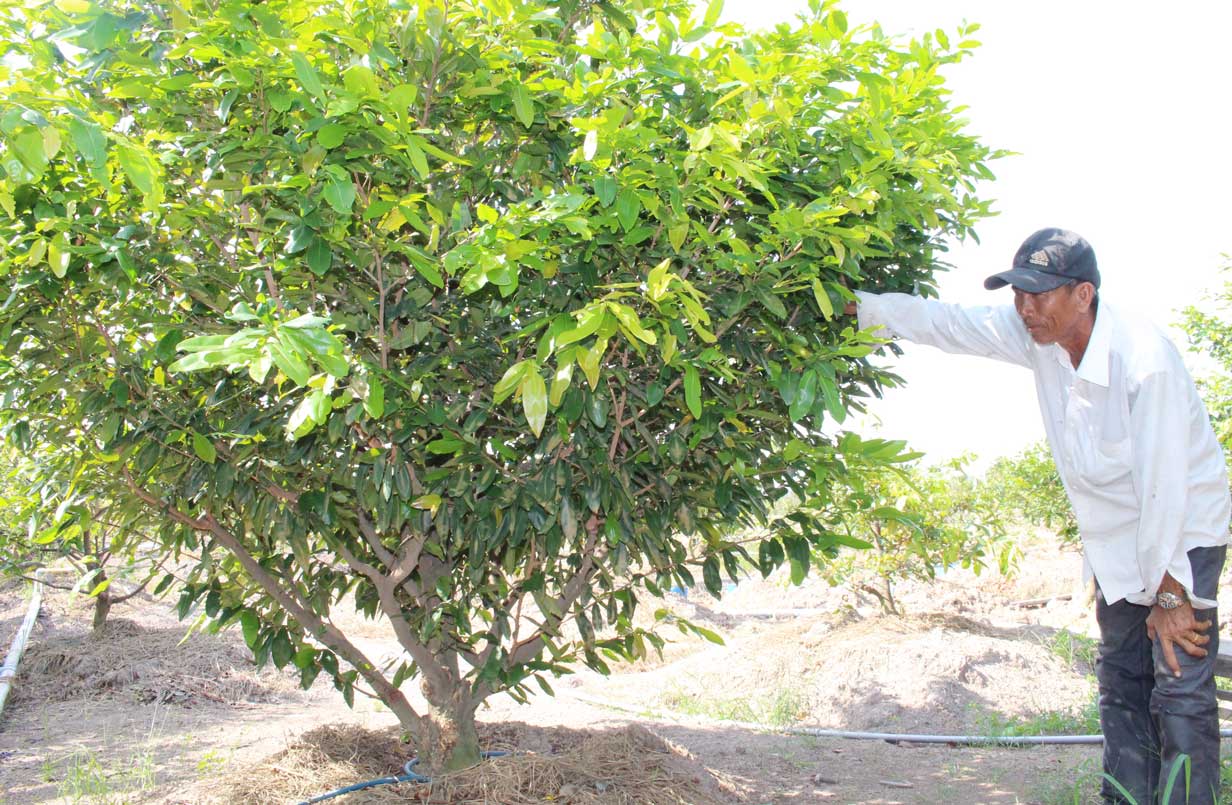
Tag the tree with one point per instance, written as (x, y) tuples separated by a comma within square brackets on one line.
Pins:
[(49, 521), (478, 311), (915, 521), (1030, 484), (1210, 333)]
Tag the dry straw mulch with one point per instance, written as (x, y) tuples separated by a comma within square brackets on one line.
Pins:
[(628, 766), (145, 665)]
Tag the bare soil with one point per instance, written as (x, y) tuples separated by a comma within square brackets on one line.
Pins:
[(144, 715)]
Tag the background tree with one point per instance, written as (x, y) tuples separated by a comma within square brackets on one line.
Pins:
[(916, 521), (53, 523), (1029, 484), (478, 311), (1210, 333)]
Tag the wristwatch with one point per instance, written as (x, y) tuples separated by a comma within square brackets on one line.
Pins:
[(1169, 600)]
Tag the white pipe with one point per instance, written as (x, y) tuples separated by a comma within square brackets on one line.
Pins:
[(9, 670), (974, 740)]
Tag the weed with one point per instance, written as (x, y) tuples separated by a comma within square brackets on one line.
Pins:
[(775, 708), (1075, 649), (1052, 722), (84, 778), (211, 762), (1082, 787)]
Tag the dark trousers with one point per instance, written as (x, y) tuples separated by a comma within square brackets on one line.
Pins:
[(1149, 717)]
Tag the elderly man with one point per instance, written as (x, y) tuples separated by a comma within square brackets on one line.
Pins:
[(1147, 480)]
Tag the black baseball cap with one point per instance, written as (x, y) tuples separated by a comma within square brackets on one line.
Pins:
[(1049, 259)]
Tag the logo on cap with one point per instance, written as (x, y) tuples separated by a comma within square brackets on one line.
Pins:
[(1039, 258)]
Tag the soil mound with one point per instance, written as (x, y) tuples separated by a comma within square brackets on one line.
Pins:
[(570, 767), (922, 673)]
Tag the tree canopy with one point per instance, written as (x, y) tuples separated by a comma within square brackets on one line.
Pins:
[(482, 312)]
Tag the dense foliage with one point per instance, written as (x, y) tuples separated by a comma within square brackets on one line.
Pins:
[(1209, 330), (476, 311), (916, 521), (1030, 485)]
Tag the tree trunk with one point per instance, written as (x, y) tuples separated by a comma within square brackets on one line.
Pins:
[(450, 742), (102, 601)]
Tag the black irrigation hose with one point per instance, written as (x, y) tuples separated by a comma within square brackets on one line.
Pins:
[(409, 775)]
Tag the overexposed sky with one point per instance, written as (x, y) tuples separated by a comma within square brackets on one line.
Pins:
[(1121, 118)]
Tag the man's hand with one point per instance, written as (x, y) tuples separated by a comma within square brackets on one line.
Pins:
[(1180, 627)]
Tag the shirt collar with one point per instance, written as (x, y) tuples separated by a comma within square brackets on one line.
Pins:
[(1094, 366)]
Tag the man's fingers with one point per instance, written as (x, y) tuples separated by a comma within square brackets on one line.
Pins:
[(1200, 639), (1170, 657), (1150, 630), (1190, 647)]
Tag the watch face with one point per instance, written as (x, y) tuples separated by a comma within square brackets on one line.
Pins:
[(1168, 600)]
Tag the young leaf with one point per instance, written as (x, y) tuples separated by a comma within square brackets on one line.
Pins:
[(823, 300), (535, 399), (523, 105), (510, 382)]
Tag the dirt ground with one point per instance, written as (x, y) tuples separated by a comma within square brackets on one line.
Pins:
[(146, 715)]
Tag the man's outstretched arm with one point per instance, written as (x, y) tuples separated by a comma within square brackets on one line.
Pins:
[(990, 332)]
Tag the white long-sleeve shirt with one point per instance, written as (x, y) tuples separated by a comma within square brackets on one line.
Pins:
[(1129, 433)]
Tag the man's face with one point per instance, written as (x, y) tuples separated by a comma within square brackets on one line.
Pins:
[(1053, 315)]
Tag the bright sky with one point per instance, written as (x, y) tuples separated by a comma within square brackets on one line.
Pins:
[(1120, 114)]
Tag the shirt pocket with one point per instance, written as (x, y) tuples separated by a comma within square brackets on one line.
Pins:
[(1103, 462)]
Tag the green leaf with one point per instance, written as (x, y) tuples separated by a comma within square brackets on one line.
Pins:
[(706, 634), (677, 233), (204, 448), (628, 206), (713, 11), (427, 503), (141, 169), (28, 145), (590, 144), (658, 280), (360, 80), (711, 577), (299, 238), (281, 649), (332, 135), (251, 627), (290, 362), (307, 75), (806, 395), (320, 257), (561, 381), (340, 193), (590, 359), (99, 588), (374, 401), (823, 300), (606, 189), (58, 255), (523, 105), (535, 399), (510, 381), (319, 404), (89, 140), (693, 391), (419, 160)]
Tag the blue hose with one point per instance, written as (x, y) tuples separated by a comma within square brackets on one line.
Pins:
[(409, 775)]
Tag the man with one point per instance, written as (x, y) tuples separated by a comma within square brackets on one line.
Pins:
[(1147, 480)]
